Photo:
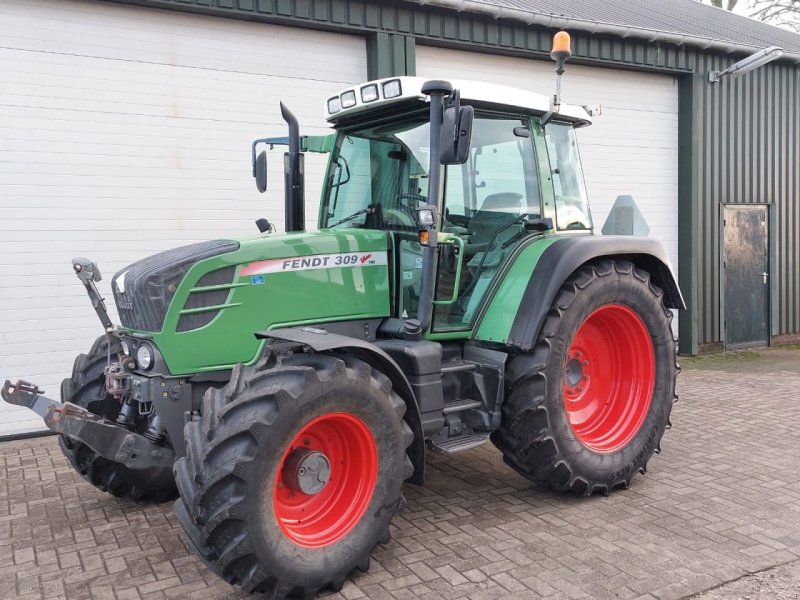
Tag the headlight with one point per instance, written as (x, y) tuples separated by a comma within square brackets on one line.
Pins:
[(126, 349), (144, 357)]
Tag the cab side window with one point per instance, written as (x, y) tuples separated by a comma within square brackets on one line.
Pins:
[(572, 205)]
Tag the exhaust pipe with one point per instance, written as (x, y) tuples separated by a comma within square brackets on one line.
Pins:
[(293, 168)]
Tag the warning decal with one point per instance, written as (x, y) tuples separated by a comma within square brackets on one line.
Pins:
[(317, 261)]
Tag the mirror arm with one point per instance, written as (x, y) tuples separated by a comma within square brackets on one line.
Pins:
[(272, 141)]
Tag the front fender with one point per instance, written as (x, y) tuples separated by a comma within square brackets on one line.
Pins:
[(323, 341), (550, 265)]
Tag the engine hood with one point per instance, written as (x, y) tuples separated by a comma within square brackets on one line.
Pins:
[(268, 281)]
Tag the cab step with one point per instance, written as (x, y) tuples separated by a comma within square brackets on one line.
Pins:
[(458, 444), (460, 365), (459, 405)]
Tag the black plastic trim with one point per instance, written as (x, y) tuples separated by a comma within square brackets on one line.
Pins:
[(147, 287)]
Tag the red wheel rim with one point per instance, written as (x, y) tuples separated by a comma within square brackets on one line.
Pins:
[(609, 374), (323, 518)]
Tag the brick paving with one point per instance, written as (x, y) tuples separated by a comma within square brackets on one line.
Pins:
[(722, 501)]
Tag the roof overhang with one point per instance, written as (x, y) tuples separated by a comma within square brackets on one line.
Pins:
[(531, 17)]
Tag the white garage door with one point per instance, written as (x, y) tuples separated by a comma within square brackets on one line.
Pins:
[(125, 131), (631, 149)]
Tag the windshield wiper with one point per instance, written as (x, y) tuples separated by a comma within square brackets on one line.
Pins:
[(369, 210)]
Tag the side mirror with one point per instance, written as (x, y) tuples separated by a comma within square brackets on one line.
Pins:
[(538, 225), (261, 171), (456, 135)]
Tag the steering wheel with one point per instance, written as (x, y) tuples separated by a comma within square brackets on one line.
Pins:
[(419, 199)]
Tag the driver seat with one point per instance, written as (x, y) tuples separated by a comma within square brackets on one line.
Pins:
[(496, 211)]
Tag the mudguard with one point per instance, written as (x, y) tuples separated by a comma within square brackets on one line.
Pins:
[(563, 257), (323, 341)]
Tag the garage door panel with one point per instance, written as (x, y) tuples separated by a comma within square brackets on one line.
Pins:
[(125, 131), (172, 38), (581, 84)]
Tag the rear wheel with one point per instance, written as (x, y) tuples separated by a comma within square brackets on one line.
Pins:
[(293, 473), (588, 406), (86, 388)]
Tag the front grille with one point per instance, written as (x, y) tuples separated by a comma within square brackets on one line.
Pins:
[(144, 289), (201, 299)]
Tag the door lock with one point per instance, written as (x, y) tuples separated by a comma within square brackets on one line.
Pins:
[(765, 275)]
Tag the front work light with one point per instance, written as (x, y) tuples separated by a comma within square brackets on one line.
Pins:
[(426, 224), (334, 105), (392, 89), (369, 93), (425, 216), (349, 99)]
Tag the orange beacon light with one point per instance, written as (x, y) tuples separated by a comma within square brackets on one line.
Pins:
[(561, 47)]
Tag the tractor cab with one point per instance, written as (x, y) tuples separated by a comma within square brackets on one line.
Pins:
[(519, 176)]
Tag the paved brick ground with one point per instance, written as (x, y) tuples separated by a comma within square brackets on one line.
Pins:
[(723, 500)]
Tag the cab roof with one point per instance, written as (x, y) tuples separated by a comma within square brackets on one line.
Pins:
[(383, 93)]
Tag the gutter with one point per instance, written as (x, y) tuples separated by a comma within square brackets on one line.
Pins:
[(530, 17)]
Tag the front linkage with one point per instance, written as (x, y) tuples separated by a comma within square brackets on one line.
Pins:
[(111, 439), (105, 437)]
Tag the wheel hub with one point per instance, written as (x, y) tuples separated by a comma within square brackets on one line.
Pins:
[(306, 471), (573, 372)]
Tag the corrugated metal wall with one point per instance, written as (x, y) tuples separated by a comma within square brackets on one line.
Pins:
[(748, 151)]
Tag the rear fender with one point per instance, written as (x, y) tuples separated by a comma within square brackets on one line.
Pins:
[(322, 341), (565, 256)]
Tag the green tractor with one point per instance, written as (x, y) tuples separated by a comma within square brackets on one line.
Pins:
[(283, 387)]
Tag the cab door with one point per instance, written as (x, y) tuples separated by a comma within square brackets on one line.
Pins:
[(487, 200)]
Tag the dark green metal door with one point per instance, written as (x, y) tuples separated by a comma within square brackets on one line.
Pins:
[(746, 276)]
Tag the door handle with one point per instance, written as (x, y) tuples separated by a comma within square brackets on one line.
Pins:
[(765, 275)]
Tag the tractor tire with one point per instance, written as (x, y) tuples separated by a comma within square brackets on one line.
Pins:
[(250, 512), (587, 407), (86, 388)]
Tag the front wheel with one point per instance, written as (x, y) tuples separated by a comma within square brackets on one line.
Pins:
[(589, 405), (293, 473)]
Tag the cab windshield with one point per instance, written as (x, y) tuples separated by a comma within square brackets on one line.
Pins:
[(378, 177)]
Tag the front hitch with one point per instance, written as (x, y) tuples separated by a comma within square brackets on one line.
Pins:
[(105, 437)]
